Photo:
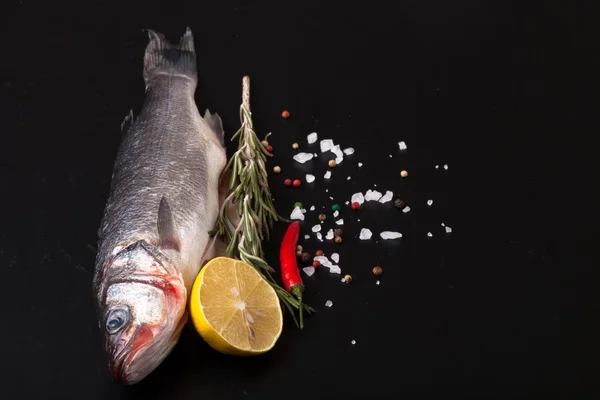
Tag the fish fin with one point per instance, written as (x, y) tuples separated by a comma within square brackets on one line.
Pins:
[(166, 227), (127, 122), (215, 123), (164, 58)]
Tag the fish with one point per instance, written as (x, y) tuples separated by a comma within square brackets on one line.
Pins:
[(164, 199)]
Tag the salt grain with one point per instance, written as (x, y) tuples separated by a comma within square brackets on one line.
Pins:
[(319, 236), (443, 224), (353, 342), (406, 209), (365, 234), (360, 164), (429, 202), (347, 202), (336, 213), (340, 221), (429, 234), (335, 269), (372, 195), (316, 228), (335, 257), (357, 198), (310, 178), (311, 138), (328, 303), (306, 237), (386, 197), (348, 178), (402, 145), (377, 283), (437, 167), (448, 229), (309, 270), (303, 157), (348, 151), (445, 166), (338, 153), (297, 214), (312, 208), (331, 197), (390, 235), (329, 235), (327, 175), (326, 145)]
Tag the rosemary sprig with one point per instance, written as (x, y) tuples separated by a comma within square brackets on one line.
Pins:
[(249, 195)]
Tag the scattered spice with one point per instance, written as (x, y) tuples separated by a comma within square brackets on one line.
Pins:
[(277, 169), (319, 253), (316, 264), (399, 203), (285, 114), (298, 253), (287, 182), (332, 163), (403, 173), (338, 239), (377, 271), (295, 146), (347, 279), (270, 148), (335, 207), (322, 217), (298, 204), (338, 232), (355, 205), (299, 247), (305, 257), (297, 183)]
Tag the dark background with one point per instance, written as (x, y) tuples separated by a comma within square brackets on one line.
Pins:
[(504, 92)]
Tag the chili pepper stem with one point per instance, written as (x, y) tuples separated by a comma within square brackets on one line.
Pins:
[(297, 291)]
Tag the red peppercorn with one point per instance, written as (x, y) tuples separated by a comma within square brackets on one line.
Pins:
[(319, 253), (285, 114), (269, 148), (316, 263), (287, 182), (355, 206), (297, 183)]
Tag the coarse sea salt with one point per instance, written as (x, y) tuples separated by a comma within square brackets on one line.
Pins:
[(429, 234), (335, 257), (437, 167), (319, 236), (335, 269), (312, 208), (306, 237), (365, 234), (349, 178), (336, 213), (353, 342), (326, 145), (372, 195), (329, 235), (406, 209), (445, 166), (312, 137), (327, 175), (328, 303), (377, 283), (303, 157), (429, 202), (386, 197), (360, 164), (357, 198), (297, 214), (448, 229), (339, 155), (402, 145), (310, 178), (309, 270), (316, 228), (304, 211), (390, 235), (340, 221), (348, 151)]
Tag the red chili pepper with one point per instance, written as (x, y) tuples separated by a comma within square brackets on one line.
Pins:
[(290, 274)]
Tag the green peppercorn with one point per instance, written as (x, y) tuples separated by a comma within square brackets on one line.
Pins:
[(298, 204), (335, 207)]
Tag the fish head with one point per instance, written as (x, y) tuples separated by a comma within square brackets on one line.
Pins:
[(142, 311)]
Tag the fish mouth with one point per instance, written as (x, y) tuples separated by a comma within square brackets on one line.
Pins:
[(125, 357)]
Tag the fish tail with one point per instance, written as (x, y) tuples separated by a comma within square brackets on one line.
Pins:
[(164, 58)]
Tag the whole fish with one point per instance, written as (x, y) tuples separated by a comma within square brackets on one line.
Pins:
[(163, 201)]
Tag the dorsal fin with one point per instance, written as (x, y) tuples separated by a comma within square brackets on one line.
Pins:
[(166, 227), (215, 123), (127, 122)]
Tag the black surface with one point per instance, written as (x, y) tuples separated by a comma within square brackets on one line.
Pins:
[(505, 94)]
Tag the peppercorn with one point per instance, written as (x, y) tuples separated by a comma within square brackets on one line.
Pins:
[(319, 253), (264, 143), (332, 163), (299, 247), (316, 264), (377, 270), (338, 232), (298, 204), (335, 207), (322, 217), (287, 182), (347, 279), (270, 148), (338, 239), (403, 173), (355, 205), (297, 183), (299, 253), (399, 203), (305, 257), (277, 169), (285, 114), (295, 146)]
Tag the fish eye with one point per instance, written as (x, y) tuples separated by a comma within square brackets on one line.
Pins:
[(115, 320)]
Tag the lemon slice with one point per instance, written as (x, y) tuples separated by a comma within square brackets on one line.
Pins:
[(234, 309)]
